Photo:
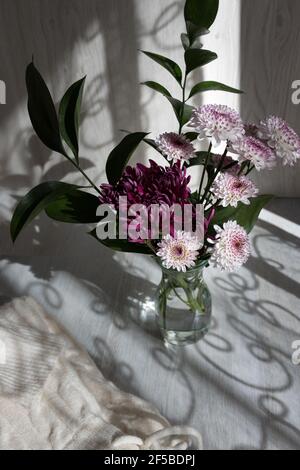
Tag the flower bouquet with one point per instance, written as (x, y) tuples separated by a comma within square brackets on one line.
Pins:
[(151, 209)]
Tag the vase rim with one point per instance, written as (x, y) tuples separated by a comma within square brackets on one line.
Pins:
[(199, 267)]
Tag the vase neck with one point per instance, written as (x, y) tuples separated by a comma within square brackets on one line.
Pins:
[(196, 273)]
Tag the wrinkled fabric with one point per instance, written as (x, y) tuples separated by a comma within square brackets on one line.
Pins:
[(52, 396)]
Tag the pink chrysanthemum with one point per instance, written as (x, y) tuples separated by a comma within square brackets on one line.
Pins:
[(254, 150), (218, 122), (232, 247), (282, 138), (233, 189), (175, 146), (179, 252)]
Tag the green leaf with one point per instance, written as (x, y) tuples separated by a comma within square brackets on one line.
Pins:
[(191, 136), (185, 41), (201, 12), (34, 202), (74, 207), (199, 16), (123, 245), (194, 198), (152, 143), (194, 32), (209, 86), (157, 87), (195, 58), (168, 64), (69, 115), (119, 157), (246, 216), (177, 106), (42, 110)]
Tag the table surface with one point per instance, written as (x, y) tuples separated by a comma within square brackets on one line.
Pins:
[(238, 386)]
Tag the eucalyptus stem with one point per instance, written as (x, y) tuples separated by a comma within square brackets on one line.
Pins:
[(243, 166), (220, 166), (251, 167), (77, 166), (216, 204), (209, 200), (183, 104), (181, 298), (210, 182), (204, 171), (191, 302)]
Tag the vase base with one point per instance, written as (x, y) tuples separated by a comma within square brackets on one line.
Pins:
[(183, 338)]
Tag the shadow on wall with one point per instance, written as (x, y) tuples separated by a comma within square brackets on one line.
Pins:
[(270, 62), (51, 31)]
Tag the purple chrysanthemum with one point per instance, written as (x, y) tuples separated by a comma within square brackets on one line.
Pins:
[(175, 147), (282, 138), (233, 189), (231, 247), (254, 150), (218, 122), (148, 185)]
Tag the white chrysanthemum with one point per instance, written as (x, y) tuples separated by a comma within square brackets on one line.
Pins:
[(232, 247), (233, 189), (175, 146), (179, 252), (282, 138), (218, 122), (254, 150)]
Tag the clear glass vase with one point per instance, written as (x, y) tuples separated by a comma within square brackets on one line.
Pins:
[(183, 306)]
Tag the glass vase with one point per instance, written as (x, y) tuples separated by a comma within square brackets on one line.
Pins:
[(183, 306)]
